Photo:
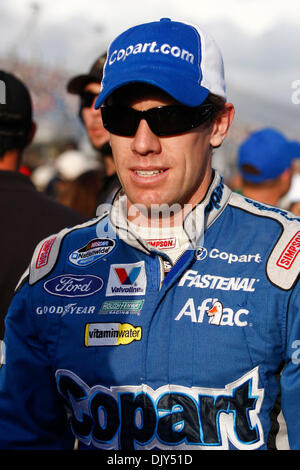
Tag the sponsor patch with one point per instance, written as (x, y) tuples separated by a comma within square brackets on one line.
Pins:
[(111, 334), (138, 417), (126, 279), (162, 243), (91, 252), (70, 285), (71, 309), (290, 253), (44, 253), (201, 253), (127, 307), (213, 311), (192, 278)]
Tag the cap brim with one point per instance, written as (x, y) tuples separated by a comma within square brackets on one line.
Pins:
[(77, 84), (193, 96)]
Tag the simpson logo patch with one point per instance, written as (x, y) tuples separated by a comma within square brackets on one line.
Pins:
[(162, 243), (111, 334), (290, 253), (127, 279), (43, 256)]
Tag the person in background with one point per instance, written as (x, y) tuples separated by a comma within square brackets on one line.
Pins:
[(87, 87), (265, 166), (27, 216), (79, 180)]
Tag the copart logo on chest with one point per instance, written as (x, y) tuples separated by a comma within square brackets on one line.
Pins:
[(172, 416)]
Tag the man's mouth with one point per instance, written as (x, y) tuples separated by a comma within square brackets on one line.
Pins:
[(148, 173)]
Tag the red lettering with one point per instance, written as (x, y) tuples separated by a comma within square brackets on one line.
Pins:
[(289, 254)]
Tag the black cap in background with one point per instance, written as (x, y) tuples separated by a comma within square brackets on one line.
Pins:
[(77, 84), (15, 105)]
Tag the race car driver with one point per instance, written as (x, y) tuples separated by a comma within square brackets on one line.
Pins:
[(165, 323)]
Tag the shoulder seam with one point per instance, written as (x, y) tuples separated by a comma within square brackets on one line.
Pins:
[(41, 264)]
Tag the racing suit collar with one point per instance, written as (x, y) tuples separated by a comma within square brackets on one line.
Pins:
[(195, 223)]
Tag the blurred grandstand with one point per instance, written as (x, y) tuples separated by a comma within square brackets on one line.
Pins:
[(59, 128), (55, 111)]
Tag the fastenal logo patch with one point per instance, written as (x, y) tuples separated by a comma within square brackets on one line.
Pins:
[(192, 278), (127, 279), (92, 251), (111, 334), (43, 256), (127, 307), (290, 252)]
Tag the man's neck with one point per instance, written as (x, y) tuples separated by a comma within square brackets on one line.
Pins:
[(10, 161), (268, 196)]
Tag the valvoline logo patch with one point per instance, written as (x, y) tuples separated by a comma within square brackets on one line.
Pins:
[(127, 279)]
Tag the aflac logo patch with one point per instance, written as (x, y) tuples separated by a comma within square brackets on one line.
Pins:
[(92, 251), (127, 279)]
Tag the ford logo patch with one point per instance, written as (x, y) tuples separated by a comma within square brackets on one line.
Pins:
[(70, 285)]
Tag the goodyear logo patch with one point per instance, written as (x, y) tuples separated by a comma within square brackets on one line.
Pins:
[(111, 334)]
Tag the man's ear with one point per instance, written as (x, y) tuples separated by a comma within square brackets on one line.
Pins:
[(221, 125)]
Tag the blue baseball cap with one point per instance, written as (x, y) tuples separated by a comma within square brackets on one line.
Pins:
[(265, 155), (174, 56)]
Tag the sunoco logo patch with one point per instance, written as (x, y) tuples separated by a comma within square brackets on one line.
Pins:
[(92, 251)]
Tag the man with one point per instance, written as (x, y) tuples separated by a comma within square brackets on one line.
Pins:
[(173, 342), (27, 216), (87, 87), (265, 164)]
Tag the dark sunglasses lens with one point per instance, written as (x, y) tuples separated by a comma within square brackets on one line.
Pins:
[(87, 99), (119, 120), (172, 120), (163, 121)]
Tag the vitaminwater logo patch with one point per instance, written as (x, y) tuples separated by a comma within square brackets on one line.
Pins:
[(111, 334)]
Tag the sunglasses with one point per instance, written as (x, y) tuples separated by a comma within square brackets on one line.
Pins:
[(163, 120), (87, 99)]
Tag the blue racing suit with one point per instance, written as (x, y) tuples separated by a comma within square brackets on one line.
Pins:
[(102, 345)]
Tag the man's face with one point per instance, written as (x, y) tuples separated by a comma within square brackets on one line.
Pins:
[(163, 170), (93, 121)]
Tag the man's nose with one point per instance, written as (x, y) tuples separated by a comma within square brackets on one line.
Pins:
[(145, 141)]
